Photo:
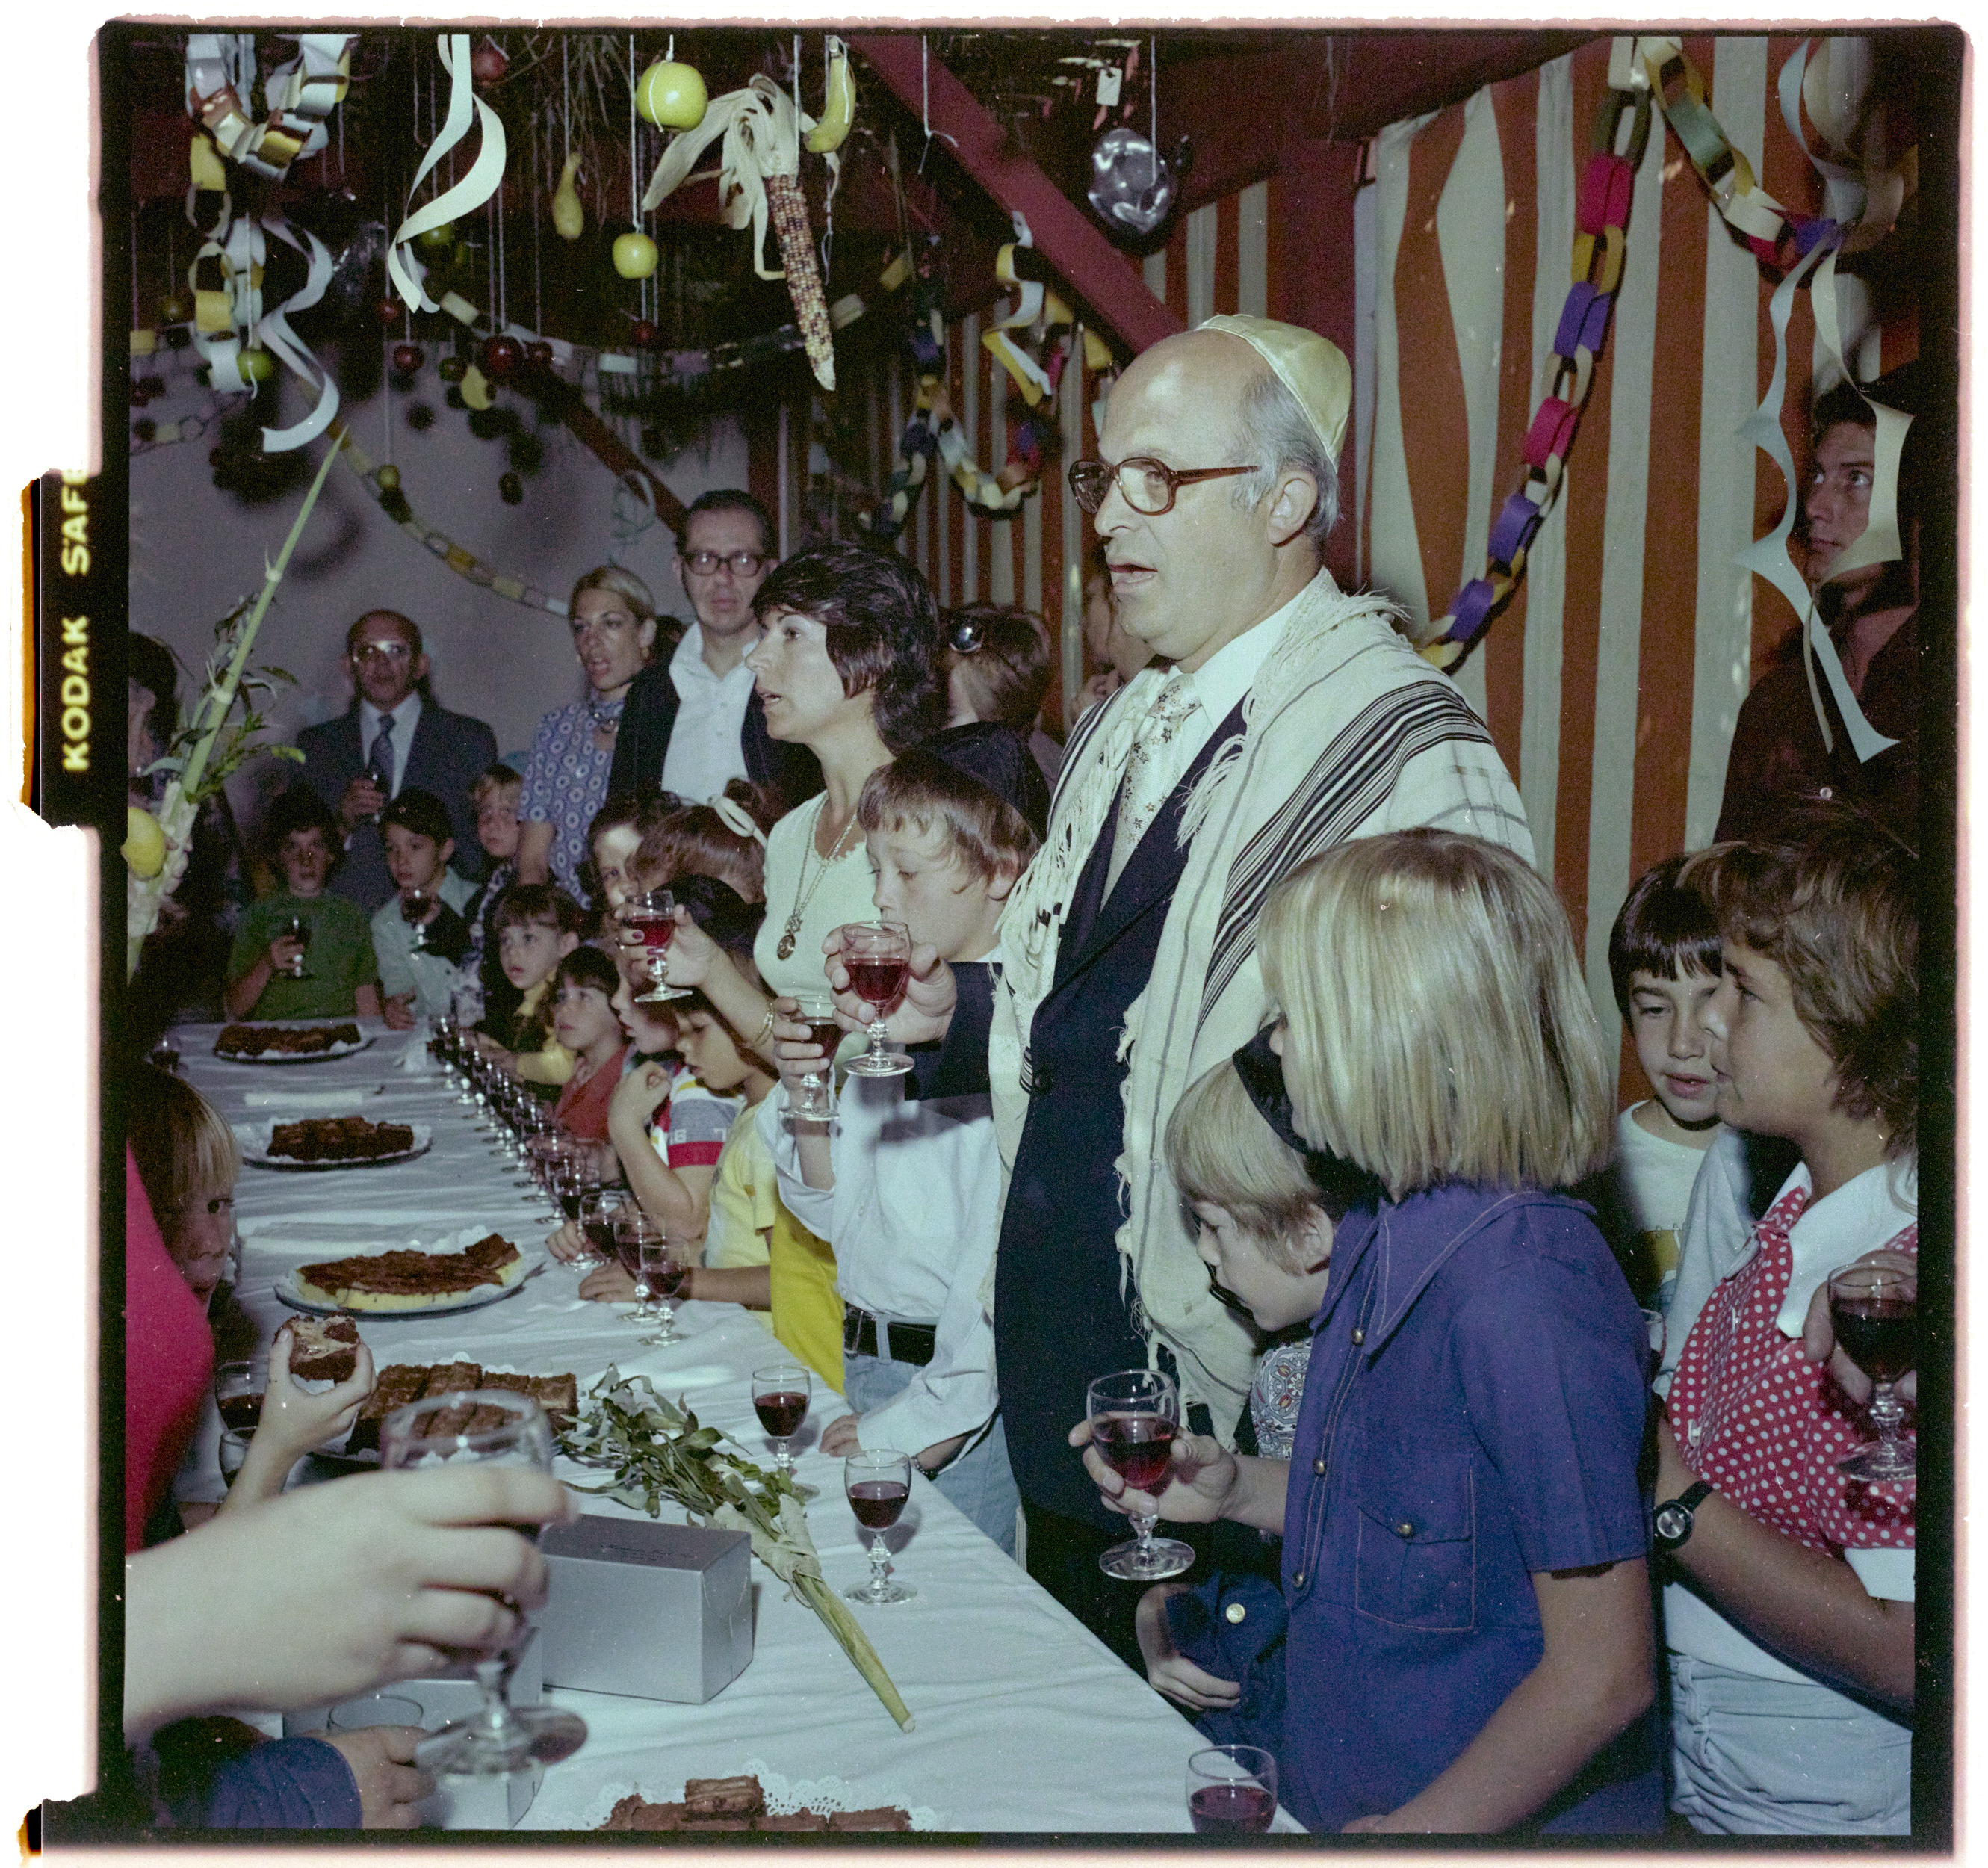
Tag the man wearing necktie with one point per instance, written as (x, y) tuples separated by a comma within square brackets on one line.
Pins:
[(391, 738), (1293, 715)]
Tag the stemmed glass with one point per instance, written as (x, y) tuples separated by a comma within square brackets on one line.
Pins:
[(1134, 1415), (298, 929), (665, 1264), (414, 905), (1874, 1310), (877, 1485), (493, 1426), (878, 956), (780, 1395), (1231, 1790), (813, 1098), (238, 1388), (598, 1208), (636, 1237), (653, 917)]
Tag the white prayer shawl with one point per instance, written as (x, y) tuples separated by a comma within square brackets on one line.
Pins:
[(1347, 732)]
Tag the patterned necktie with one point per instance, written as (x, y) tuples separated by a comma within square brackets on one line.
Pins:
[(381, 758), (1154, 768)]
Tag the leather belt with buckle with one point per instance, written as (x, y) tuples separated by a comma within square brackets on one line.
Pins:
[(864, 1335)]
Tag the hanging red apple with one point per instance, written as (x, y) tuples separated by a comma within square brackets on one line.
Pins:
[(641, 333), (388, 310), (538, 354), (502, 355), (408, 358), (487, 64)]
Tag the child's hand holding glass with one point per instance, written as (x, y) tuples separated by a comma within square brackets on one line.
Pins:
[(1201, 1480)]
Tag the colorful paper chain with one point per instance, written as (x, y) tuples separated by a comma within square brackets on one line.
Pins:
[(1642, 72), (464, 562)]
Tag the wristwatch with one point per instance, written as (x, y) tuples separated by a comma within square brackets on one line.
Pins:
[(1672, 1520)]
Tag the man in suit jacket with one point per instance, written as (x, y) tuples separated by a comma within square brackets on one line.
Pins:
[(1284, 716), (394, 733), (693, 720)]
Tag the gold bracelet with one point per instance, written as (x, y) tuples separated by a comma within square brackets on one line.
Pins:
[(765, 1032)]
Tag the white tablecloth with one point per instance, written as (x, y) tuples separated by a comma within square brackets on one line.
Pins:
[(1023, 1721)]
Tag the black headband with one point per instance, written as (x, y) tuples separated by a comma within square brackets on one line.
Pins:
[(1343, 1184)]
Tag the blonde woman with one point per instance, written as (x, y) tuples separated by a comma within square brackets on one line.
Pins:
[(1468, 1647), (612, 618)]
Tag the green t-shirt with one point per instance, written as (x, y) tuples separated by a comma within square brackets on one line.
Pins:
[(339, 960)]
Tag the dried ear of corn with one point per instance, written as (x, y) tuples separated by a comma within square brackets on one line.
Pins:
[(790, 227)]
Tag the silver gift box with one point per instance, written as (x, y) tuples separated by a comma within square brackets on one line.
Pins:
[(654, 1611)]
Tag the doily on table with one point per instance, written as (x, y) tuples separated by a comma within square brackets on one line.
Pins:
[(783, 1798)]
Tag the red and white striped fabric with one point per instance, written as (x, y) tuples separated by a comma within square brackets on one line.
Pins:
[(1766, 1425)]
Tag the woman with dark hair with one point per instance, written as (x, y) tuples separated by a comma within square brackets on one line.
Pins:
[(614, 620), (848, 664)]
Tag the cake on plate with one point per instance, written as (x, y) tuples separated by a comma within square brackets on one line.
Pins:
[(339, 1137), (290, 1040), (404, 1279)]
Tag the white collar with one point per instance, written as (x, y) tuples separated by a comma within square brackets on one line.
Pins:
[(1227, 675), (688, 661), (1861, 1215)]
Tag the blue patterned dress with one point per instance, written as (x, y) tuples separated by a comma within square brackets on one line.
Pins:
[(566, 783)]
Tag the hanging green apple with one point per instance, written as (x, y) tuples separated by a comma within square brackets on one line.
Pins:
[(670, 96), (635, 255)]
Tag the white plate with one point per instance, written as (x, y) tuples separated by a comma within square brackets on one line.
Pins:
[(287, 1291), (341, 1050), (254, 1138)]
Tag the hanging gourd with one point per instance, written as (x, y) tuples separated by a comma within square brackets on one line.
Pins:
[(568, 217)]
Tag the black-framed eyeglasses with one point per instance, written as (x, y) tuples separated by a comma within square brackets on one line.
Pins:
[(743, 564), (1146, 485), (388, 651)]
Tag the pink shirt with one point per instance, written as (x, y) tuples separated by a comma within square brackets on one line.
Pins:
[(168, 1361)]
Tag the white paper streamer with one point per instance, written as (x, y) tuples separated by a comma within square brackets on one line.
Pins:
[(408, 275), (274, 332)]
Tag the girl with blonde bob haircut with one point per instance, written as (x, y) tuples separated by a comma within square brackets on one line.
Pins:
[(1463, 1640), (1439, 1026)]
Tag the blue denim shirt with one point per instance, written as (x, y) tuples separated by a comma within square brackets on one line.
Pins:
[(1474, 1413)]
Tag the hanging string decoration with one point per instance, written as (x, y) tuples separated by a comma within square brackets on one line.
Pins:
[(1653, 73), (759, 130), (384, 482), (238, 338)]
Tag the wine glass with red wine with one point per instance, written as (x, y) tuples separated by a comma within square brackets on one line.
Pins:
[(653, 917), (877, 1485), (665, 1265), (598, 1207), (238, 1388), (298, 929), (414, 905), (1135, 1416), (496, 1427), (780, 1394), (1874, 1310), (813, 1099), (634, 1231), (878, 956), (1231, 1790)]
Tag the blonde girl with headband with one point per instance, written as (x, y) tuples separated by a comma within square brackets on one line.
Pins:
[(1467, 1639)]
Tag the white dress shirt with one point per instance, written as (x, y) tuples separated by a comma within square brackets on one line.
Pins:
[(704, 753), (405, 718)]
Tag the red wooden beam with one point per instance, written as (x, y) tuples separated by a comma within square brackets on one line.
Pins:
[(1093, 268)]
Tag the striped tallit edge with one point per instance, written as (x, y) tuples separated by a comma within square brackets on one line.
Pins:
[(1347, 783)]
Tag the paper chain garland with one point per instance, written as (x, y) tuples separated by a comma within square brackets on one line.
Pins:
[(1654, 72), (464, 562), (1036, 361), (225, 275)]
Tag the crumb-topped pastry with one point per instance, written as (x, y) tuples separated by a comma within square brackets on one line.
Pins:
[(339, 1137), (404, 1279), (289, 1040)]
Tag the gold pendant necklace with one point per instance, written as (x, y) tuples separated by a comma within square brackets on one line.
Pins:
[(805, 893)]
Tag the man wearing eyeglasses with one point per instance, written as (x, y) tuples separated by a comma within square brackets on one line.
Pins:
[(1293, 715), (392, 737), (694, 722)]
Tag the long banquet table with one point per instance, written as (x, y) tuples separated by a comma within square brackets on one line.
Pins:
[(1023, 1721)]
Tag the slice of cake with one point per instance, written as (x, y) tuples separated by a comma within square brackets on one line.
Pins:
[(286, 1041), (739, 1803), (341, 1138), (407, 1280), (323, 1349), (401, 1383)]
